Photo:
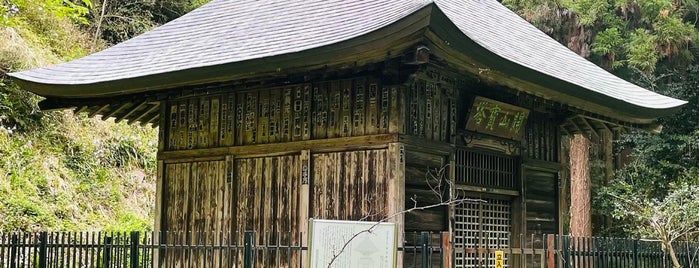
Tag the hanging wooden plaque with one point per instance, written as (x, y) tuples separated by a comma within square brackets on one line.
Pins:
[(497, 118)]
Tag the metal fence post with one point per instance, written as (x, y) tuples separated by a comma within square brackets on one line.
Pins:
[(107, 257), (635, 253), (247, 251), (43, 240), (134, 249), (424, 242), (13, 250), (566, 251)]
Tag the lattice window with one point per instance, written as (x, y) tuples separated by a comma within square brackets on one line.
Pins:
[(486, 169), (481, 225)]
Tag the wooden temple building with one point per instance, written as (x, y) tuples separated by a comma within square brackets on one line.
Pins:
[(274, 112)]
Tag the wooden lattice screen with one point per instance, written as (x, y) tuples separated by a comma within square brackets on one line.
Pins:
[(481, 225), (478, 168)]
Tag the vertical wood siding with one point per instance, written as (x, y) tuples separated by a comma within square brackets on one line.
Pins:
[(202, 199), (541, 193), (331, 109), (267, 202), (266, 194), (262, 194), (430, 107), (418, 192), (541, 140), (205, 200), (351, 185), (197, 207)]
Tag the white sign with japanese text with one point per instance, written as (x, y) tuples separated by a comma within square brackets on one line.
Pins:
[(348, 244)]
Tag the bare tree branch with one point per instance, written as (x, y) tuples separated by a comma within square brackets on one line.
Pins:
[(437, 175)]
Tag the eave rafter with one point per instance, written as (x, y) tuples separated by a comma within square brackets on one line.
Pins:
[(140, 108), (131, 112), (97, 111), (597, 126), (154, 108), (592, 129), (153, 120)]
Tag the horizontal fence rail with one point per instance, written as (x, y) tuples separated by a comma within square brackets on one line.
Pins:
[(279, 249)]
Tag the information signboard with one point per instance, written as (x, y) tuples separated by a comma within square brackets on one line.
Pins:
[(350, 244)]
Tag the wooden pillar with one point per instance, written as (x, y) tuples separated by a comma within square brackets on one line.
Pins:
[(580, 214), (304, 204), (449, 247), (519, 221), (157, 226), (160, 176), (396, 191), (159, 180), (580, 186)]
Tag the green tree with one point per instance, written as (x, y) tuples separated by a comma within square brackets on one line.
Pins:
[(63, 171), (672, 217), (116, 21), (625, 36), (651, 43)]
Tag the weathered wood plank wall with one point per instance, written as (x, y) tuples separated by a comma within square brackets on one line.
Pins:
[(213, 198), (331, 109), (350, 185), (540, 201), (315, 111), (540, 175), (421, 175), (268, 190), (430, 105), (262, 194), (542, 140), (267, 194), (268, 201), (197, 208)]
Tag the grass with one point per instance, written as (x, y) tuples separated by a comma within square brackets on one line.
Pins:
[(62, 171), (82, 174)]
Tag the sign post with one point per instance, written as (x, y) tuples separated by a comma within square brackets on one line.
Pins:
[(352, 244)]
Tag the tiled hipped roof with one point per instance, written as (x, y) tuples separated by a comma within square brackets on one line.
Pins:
[(225, 38)]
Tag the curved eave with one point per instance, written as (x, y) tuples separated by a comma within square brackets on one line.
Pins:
[(427, 24), (448, 42), (371, 47)]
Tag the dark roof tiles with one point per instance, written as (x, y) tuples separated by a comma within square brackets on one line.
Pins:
[(226, 32), (504, 33)]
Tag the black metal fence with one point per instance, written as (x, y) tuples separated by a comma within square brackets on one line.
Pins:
[(587, 252), (250, 249), (178, 249)]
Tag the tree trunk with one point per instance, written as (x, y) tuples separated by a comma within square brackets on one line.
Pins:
[(98, 33), (673, 256), (580, 214)]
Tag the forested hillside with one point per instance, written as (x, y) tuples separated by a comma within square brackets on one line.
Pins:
[(652, 43), (61, 171)]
